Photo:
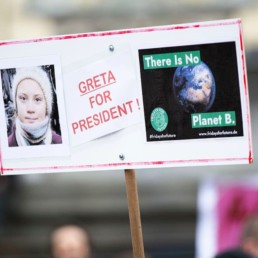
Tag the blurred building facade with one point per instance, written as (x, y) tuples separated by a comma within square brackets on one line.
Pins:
[(98, 199), (34, 18)]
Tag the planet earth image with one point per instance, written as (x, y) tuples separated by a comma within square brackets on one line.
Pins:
[(194, 87)]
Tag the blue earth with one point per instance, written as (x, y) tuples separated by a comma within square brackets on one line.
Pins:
[(194, 87)]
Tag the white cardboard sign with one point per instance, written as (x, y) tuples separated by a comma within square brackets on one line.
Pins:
[(165, 96), (100, 98)]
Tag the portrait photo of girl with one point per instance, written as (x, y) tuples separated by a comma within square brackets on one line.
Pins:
[(33, 109), (32, 97)]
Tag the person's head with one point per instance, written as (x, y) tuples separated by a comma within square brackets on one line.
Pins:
[(249, 239), (32, 95), (70, 241)]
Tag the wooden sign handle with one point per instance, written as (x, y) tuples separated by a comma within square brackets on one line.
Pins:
[(134, 213)]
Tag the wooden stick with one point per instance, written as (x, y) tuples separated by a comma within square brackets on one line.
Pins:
[(134, 213)]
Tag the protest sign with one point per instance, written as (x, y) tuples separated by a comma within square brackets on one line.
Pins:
[(165, 96), (224, 208)]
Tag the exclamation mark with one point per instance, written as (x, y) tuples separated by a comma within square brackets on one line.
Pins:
[(138, 104)]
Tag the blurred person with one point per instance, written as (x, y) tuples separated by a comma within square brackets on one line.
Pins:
[(249, 238), (248, 247), (70, 241), (32, 96)]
